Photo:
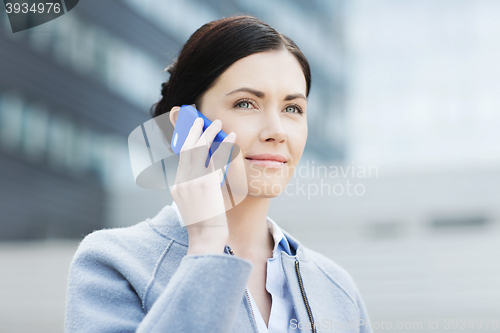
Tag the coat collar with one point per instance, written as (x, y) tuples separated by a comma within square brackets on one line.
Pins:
[(167, 223)]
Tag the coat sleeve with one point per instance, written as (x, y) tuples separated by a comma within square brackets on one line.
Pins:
[(202, 295)]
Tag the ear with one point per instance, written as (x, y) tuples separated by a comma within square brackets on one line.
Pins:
[(174, 112)]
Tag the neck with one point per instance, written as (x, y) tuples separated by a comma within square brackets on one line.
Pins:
[(249, 236)]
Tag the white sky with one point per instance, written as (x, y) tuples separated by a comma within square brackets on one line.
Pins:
[(424, 87)]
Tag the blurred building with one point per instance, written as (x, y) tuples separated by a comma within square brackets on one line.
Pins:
[(73, 89)]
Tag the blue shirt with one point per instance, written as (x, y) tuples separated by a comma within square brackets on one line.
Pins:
[(282, 311)]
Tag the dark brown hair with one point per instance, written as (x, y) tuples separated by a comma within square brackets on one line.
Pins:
[(211, 50)]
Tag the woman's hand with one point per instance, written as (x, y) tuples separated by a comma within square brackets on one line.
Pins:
[(197, 190)]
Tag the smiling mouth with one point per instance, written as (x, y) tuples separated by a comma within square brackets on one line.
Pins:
[(269, 164), (256, 159)]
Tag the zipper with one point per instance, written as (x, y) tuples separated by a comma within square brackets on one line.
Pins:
[(251, 310), (246, 291), (304, 295)]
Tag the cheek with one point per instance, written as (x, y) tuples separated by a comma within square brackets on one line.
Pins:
[(243, 136), (302, 133), (297, 140)]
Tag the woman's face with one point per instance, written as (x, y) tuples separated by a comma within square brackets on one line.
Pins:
[(262, 98)]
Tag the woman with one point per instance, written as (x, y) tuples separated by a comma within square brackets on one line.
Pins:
[(208, 263)]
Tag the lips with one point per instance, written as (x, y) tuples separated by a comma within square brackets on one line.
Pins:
[(268, 157)]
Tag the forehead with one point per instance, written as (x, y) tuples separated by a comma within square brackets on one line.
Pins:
[(274, 71)]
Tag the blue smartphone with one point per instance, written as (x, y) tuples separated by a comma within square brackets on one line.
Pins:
[(185, 120)]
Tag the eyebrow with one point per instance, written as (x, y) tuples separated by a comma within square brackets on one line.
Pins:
[(260, 94)]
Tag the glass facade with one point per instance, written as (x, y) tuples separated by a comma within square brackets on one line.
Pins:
[(91, 51), (75, 87), (179, 18), (65, 144)]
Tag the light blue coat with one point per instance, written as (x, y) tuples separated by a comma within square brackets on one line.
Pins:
[(139, 279)]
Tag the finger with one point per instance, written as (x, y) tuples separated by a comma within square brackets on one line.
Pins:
[(213, 162), (207, 138), (221, 156), (191, 139), (194, 134), (205, 142)]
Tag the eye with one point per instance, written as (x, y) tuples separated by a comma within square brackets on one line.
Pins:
[(244, 104), (292, 108)]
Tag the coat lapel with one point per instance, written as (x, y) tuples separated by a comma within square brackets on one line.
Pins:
[(331, 308), (244, 321), (302, 322)]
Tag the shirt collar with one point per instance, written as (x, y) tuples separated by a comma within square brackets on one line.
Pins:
[(278, 235)]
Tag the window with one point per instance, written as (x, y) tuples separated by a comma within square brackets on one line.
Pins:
[(82, 146), (35, 131), (11, 110), (64, 30), (58, 142)]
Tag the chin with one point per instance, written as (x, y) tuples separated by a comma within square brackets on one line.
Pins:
[(265, 188)]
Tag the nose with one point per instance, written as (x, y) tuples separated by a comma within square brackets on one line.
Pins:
[(273, 129)]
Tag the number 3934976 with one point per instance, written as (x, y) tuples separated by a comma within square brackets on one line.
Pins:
[(26, 14)]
